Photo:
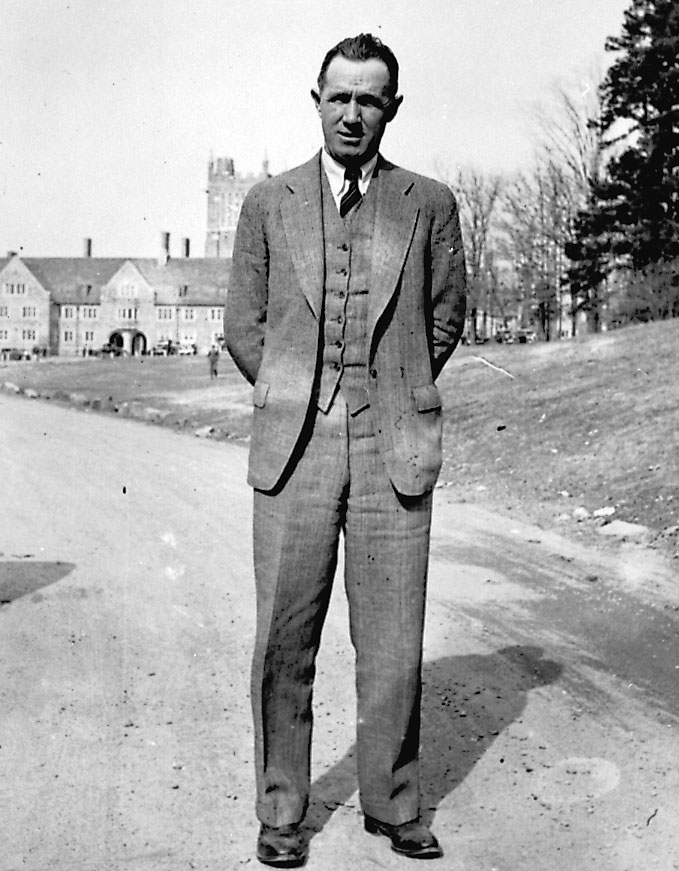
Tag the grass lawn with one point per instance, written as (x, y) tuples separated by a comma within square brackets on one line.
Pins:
[(540, 429), (591, 422)]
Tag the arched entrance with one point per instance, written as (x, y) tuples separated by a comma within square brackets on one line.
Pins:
[(116, 340), (128, 342), (139, 345)]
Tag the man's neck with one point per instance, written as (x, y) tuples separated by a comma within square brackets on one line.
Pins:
[(335, 174), (364, 167)]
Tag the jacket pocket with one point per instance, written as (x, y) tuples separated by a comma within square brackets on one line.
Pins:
[(259, 394), (427, 398)]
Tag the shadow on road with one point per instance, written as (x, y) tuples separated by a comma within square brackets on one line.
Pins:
[(466, 703), (24, 577)]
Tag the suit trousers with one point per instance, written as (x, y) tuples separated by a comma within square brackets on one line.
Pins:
[(338, 484)]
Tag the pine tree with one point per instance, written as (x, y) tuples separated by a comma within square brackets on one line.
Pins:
[(633, 217), (641, 92)]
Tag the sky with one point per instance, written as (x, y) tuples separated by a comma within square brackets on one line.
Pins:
[(110, 111)]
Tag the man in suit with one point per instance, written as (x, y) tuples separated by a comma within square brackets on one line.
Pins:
[(346, 298)]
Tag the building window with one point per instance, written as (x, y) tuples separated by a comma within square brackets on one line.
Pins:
[(4, 334), (4, 311), (189, 314), (216, 314), (28, 335), (12, 289), (127, 291), (89, 336), (68, 336), (184, 290), (28, 311), (68, 311), (165, 313), (127, 314)]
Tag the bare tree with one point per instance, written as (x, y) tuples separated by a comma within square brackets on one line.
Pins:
[(540, 207), (478, 197), (569, 131)]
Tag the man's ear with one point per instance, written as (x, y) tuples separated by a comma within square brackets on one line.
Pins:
[(316, 97), (393, 108)]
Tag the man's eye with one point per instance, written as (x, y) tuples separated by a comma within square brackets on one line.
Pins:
[(371, 102)]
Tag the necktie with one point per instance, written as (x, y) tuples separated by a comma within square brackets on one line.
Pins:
[(352, 197)]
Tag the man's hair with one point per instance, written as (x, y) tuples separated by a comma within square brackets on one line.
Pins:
[(365, 46)]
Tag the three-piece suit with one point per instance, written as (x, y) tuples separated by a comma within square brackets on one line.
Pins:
[(342, 326)]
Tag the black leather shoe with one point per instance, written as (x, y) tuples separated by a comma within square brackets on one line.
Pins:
[(283, 847), (412, 839)]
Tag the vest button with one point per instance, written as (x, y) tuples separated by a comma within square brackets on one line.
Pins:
[(343, 247), (340, 319), (373, 373)]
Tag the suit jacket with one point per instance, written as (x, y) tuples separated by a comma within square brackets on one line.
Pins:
[(273, 316)]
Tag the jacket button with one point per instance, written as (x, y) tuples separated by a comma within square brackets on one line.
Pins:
[(373, 373)]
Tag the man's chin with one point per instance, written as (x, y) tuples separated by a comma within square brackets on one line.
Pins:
[(350, 152)]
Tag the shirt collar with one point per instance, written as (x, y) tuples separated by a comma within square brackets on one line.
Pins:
[(335, 174)]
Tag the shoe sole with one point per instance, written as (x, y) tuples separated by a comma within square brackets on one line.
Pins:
[(282, 863), (433, 852)]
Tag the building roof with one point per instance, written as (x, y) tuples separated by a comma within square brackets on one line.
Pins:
[(205, 279), (67, 279)]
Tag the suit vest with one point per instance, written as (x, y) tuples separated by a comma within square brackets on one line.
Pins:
[(348, 249)]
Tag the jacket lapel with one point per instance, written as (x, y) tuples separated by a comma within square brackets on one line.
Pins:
[(303, 223), (395, 220)]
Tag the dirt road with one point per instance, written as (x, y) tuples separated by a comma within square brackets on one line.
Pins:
[(551, 704)]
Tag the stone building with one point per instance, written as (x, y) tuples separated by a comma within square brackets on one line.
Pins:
[(226, 191), (72, 306)]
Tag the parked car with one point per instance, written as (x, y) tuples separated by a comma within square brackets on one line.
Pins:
[(187, 349), (18, 354), (109, 350), (526, 335), (505, 337), (166, 348)]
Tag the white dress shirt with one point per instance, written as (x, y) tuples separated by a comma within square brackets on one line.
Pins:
[(338, 183)]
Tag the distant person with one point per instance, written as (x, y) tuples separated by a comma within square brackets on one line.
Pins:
[(213, 359), (347, 297)]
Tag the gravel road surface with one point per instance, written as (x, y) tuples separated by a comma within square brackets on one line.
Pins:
[(551, 701)]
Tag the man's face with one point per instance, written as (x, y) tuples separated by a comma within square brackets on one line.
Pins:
[(355, 108)]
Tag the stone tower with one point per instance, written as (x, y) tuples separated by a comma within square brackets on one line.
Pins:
[(225, 194)]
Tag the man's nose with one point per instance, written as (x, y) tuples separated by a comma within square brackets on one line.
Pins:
[(352, 112)]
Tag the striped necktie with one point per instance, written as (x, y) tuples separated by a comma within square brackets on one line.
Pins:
[(352, 196)]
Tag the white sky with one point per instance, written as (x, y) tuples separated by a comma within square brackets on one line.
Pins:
[(109, 110)]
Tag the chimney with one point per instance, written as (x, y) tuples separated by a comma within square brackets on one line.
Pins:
[(11, 254), (164, 255), (87, 247), (186, 247)]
